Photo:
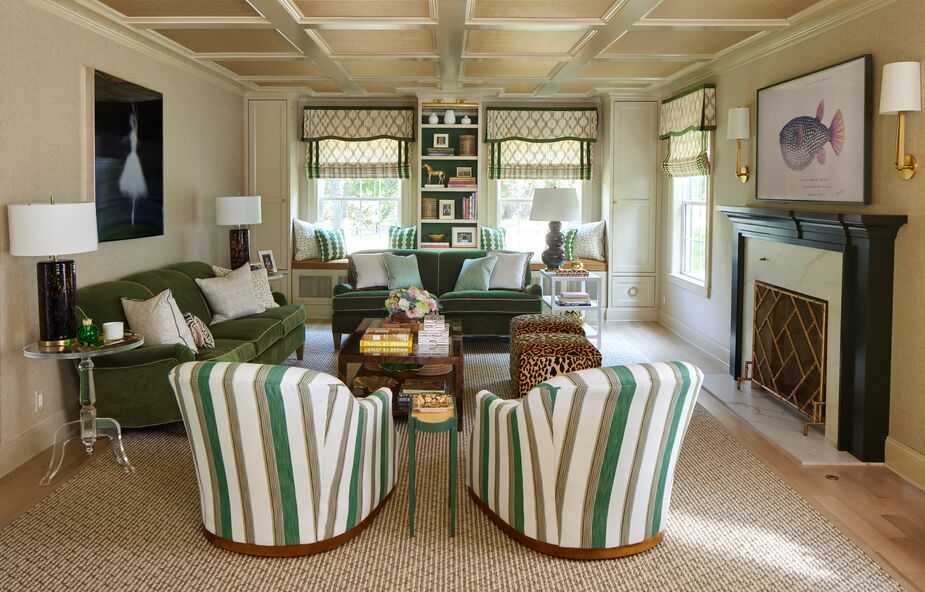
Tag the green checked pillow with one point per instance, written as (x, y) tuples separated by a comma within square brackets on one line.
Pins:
[(331, 244), (569, 245), (403, 238), (493, 239)]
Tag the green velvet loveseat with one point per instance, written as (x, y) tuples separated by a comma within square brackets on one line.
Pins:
[(480, 312), (132, 386)]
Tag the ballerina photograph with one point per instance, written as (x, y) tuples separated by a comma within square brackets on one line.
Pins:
[(128, 159)]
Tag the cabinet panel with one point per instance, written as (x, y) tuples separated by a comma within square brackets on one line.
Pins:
[(268, 175), (635, 151), (632, 291), (633, 237)]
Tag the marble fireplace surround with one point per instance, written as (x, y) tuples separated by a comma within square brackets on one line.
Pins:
[(866, 245)]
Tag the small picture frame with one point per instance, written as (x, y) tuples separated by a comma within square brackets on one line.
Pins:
[(441, 140), (465, 171), (447, 209), (463, 236), (268, 260)]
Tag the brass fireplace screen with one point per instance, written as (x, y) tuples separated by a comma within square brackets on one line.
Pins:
[(789, 348)]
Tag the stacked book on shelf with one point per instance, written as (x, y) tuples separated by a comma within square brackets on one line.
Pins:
[(442, 245), (573, 299), (469, 207), (462, 183), (434, 336), (431, 151), (382, 340), (419, 387)]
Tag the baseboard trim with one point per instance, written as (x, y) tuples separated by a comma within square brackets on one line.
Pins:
[(31, 442), (630, 314), (906, 462), (694, 337)]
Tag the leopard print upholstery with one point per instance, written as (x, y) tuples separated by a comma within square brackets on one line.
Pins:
[(543, 323), (537, 357)]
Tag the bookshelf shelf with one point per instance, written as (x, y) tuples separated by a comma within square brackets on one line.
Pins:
[(448, 189)]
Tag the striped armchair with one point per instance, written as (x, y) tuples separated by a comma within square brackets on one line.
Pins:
[(582, 467), (288, 461)]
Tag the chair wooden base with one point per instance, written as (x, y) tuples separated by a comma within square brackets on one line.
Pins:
[(566, 552), (296, 550)]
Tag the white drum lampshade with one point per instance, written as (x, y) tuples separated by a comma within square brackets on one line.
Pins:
[(237, 210), (901, 88), (555, 204)]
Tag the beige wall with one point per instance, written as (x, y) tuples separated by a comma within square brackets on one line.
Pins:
[(43, 62), (890, 34)]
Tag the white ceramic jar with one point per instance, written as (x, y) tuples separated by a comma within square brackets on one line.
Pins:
[(449, 118), (433, 119), (466, 120)]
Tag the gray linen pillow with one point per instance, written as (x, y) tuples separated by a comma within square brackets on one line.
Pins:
[(230, 297)]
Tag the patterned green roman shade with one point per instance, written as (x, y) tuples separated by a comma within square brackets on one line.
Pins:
[(686, 121), (540, 143), (358, 142)]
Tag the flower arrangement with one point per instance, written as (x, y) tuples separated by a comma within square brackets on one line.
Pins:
[(413, 302)]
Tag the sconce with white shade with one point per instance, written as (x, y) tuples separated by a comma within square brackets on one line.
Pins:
[(738, 128), (901, 92), (238, 211)]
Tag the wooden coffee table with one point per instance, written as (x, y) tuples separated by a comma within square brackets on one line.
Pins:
[(350, 354)]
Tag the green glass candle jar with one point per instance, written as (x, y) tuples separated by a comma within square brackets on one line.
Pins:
[(88, 333)]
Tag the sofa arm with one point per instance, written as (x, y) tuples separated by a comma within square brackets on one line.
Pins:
[(280, 298), (534, 290), (146, 354), (342, 289), (494, 413)]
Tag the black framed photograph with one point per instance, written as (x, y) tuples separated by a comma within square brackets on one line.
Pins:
[(268, 260), (463, 236), (814, 135)]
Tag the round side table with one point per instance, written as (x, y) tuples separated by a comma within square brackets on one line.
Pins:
[(89, 428)]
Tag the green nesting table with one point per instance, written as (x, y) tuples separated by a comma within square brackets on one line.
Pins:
[(433, 422)]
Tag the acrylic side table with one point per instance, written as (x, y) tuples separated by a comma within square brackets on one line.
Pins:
[(89, 428), (423, 421)]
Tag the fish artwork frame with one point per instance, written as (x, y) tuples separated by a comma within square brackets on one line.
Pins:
[(814, 136)]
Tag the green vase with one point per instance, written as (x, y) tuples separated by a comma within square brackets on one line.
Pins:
[(88, 333)]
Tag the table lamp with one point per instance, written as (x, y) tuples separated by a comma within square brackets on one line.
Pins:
[(238, 211), (555, 206), (49, 230)]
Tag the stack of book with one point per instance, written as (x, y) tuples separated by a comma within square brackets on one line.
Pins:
[(573, 299), (468, 207), (440, 151), (379, 340), (462, 183), (443, 245), (434, 336), (416, 387)]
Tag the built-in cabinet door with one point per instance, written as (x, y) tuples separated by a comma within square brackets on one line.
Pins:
[(268, 176), (635, 155)]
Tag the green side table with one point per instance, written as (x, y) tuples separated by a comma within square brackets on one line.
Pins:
[(434, 423)]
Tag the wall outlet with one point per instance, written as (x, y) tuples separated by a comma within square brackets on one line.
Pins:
[(39, 401)]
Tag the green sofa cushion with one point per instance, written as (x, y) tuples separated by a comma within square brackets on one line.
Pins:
[(145, 354), (184, 289), (360, 301), (290, 315), (228, 350), (103, 302), (261, 332), (494, 301)]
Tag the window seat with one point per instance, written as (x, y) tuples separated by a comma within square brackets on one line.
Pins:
[(319, 264), (590, 265)]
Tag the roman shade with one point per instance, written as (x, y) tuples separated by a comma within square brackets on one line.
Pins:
[(686, 121), (540, 143), (357, 142)]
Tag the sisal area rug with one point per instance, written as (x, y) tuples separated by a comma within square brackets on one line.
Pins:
[(734, 525)]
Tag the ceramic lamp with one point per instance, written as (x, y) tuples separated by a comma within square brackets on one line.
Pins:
[(555, 205), (49, 230), (238, 211)]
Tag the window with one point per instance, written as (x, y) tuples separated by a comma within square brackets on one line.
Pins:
[(515, 198), (692, 228), (364, 208)]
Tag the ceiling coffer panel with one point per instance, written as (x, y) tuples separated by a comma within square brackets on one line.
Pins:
[(377, 41), (728, 9), (230, 40), (181, 8), (496, 41), (630, 69), (541, 9), (366, 9), (390, 68), (675, 42), (270, 67), (508, 68)]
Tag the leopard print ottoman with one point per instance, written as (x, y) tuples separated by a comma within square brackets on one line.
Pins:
[(540, 356), (543, 323)]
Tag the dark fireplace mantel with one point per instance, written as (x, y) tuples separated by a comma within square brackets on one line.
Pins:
[(866, 242)]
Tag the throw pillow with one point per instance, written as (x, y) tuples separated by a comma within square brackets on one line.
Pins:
[(510, 272), (371, 271), (475, 274), (493, 239), (306, 247), (232, 296), (331, 244), (403, 271), (569, 245), (202, 337), (159, 320), (589, 241), (403, 238), (259, 281)]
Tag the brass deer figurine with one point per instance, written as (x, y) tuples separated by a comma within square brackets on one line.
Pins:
[(432, 172)]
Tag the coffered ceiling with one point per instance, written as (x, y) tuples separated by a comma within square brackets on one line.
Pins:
[(544, 48)]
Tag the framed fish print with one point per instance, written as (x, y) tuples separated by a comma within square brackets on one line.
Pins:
[(814, 136)]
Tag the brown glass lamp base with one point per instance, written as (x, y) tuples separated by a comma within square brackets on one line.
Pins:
[(239, 239), (57, 291)]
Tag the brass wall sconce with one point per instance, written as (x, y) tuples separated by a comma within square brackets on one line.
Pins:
[(738, 128), (901, 92)]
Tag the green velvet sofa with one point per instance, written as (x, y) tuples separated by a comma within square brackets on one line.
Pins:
[(132, 386), (486, 312)]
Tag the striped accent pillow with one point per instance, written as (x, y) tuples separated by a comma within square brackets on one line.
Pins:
[(569, 245), (493, 239), (201, 334), (331, 244), (403, 237)]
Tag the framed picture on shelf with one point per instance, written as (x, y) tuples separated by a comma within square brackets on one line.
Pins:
[(463, 236), (465, 171), (441, 140), (268, 260), (447, 209), (814, 136)]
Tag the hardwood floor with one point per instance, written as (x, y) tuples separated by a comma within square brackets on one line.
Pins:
[(881, 512)]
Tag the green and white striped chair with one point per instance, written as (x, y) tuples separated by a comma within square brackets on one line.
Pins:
[(582, 466), (288, 461)]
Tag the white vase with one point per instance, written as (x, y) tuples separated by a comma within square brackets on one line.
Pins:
[(449, 117), (433, 119), (466, 120)]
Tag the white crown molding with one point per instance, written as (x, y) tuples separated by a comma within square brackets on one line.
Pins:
[(648, 24), (79, 13)]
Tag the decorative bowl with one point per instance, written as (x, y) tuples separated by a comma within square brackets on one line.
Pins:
[(372, 384), (400, 371), (436, 237)]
